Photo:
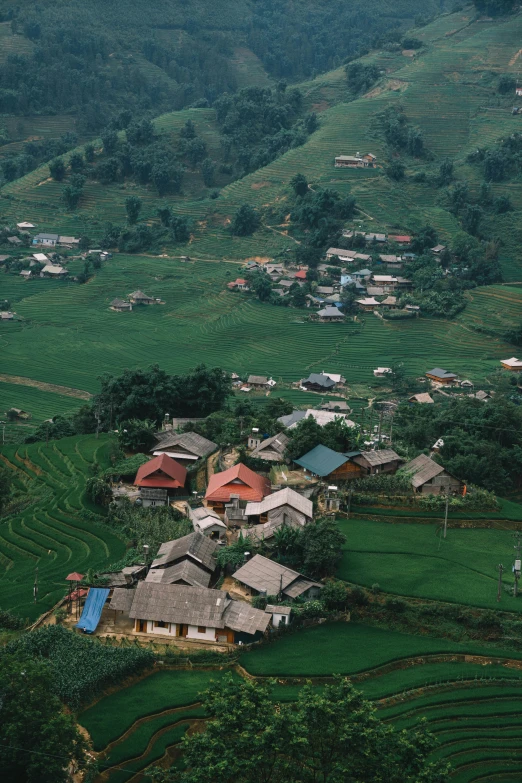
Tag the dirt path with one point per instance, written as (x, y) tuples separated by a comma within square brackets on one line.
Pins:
[(66, 391)]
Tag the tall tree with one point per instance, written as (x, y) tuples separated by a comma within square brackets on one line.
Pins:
[(133, 206), (37, 738), (327, 736)]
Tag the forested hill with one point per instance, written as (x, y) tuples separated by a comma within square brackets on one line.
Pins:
[(94, 58)]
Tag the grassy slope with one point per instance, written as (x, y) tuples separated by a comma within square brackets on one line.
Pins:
[(407, 560), (448, 90), (69, 335), (51, 532), (347, 648)]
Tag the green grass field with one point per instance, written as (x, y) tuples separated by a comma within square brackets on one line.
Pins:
[(470, 707), (56, 529), (348, 648), (40, 404), (409, 559), (70, 336)]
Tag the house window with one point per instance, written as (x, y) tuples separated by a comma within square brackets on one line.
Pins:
[(160, 624), (152, 502), (202, 629)]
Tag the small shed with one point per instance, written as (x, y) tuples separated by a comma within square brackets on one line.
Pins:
[(120, 306), (280, 614), (429, 478), (423, 398)]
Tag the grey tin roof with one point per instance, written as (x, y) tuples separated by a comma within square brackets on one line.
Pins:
[(195, 545)]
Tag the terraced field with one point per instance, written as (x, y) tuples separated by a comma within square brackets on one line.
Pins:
[(56, 530), (469, 705), (408, 559), (40, 404), (69, 335)]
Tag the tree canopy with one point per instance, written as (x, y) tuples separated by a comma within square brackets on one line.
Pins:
[(327, 736)]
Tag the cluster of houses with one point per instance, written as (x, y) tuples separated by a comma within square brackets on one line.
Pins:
[(177, 595)]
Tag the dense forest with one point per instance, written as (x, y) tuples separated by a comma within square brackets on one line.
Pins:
[(172, 54)]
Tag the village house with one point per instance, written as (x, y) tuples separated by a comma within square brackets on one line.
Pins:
[(190, 560), (192, 613), (482, 395), (400, 239), (120, 306), (159, 478), (396, 261), (388, 282), (403, 284), (368, 304), (355, 161), (69, 242), (336, 405), (261, 575), (185, 447), (48, 240), (237, 483), (285, 507), (332, 465), (18, 413), (374, 290), (206, 521), (280, 614), (369, 237), (438, 249), (346, 256), (300, 276), (25, 226), (271, 449), (139, 298), (6, 315), (382, 372), (513, 364), (40, 257), (362, 274), (53, 270), (14, 240), (239, 284), (381, 461), (318, 382), (26, 273), (274, 271), (390, 303), (413, 308), (330, 314), (258, 381), (322, 417), (421, 398), (429, 478), (438, 375)]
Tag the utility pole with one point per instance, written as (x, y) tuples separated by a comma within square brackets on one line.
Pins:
[(2, 423), (350, 492), (380, 427), (516, 567), (391, 429), (500, 568), (35, 586), (446, 512)]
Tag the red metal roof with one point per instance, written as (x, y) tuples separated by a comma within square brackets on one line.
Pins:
[(300, 275), (74, 577), (162, 472), (250, 485), (399, 238)]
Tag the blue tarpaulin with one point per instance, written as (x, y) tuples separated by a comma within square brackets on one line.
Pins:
[(93, 609)]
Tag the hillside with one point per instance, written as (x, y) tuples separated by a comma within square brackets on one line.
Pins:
[(449, 90)]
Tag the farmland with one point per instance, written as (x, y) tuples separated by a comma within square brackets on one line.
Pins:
[(69, 335), (461, 700), (55, 529), (408, 559)]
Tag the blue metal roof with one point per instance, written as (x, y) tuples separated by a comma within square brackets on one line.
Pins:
[(321, 461)]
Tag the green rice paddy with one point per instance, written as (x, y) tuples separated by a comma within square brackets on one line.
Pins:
[(54, 530), (412, 559), (69, 336), (471, 707)]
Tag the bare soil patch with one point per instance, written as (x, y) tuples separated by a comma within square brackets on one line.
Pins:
[(66, 391), (259, 185)]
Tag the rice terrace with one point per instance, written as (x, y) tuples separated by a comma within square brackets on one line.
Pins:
[(260, 392)]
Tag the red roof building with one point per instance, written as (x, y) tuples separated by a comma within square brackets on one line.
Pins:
[(401, 239), (300, 275), (162, 472), (238, 480)]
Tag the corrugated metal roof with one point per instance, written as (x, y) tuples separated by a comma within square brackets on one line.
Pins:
[(321, 460), (284, 497), (195, 545), (276, 443), (380, 457), (260, 574), (180, 604), (422, 469), (191, 441), (122, 599), (186, 571), (241, 616), (250, 485)]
